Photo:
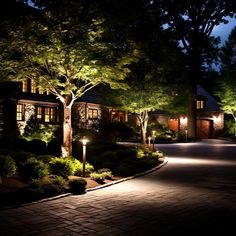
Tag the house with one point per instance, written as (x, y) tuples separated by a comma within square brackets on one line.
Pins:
[(21, 101), (210, 119)]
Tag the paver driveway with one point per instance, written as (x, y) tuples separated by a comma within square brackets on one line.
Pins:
[(194, 193)]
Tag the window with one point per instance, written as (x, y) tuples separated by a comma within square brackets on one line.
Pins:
[(33, 86), (47, 114), (200, 104), (24, 86), (41, 91), (93, 113), (118, 116), (39, 113), (19, 112)]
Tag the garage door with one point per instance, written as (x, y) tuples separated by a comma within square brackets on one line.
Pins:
[(204, 129)]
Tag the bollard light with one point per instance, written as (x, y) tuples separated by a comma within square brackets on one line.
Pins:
[(149, 142), (153, 139), (84, 141)]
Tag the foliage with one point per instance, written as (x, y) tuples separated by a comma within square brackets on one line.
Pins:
[(33, 169), (44, 132), (68, 56), (78, 185), (230, 128), (193, 23), (7, 166), (227, 85), (107, 173), (61, 166), (57, 180), (98, 177), (79, 170), (45, 158)]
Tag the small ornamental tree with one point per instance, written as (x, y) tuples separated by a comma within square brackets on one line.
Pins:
[(67, 56)]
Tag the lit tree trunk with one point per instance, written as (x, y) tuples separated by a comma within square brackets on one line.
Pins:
[(143, 119), (66, 147)]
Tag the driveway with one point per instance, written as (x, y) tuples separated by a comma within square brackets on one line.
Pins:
[(194, 193)]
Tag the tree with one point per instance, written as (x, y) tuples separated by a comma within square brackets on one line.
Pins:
[(193, 22), (149, 89), (63, 50), (227, 85)]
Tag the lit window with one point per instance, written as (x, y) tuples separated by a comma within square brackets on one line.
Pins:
[(93, 114), (50, 114), (41, 90), (200, 104), (24, 86), (19, 112), (47, 114), (33, 86), (39, 113)]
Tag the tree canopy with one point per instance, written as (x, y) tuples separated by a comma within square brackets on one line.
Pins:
[(65, 51)]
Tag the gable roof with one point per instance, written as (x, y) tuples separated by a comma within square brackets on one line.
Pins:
[(211, 103)]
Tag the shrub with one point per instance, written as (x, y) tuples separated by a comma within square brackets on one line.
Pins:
[(51, 189), (45, 158), (98, 177), (107, 174), (7, 166), (78, 185), (60, 166), (88, 169), (57, 180), (33, 169), (35, 184), (22, 156)]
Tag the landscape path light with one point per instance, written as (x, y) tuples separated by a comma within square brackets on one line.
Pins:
[(149, 142), (153, 139), (84, 141)]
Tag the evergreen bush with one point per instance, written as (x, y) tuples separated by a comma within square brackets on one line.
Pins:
[(7, 166), (78, 185), (33, 169)]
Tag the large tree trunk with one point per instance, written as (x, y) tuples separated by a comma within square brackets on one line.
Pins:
[(66, 147), (143, 118), (195, 73)]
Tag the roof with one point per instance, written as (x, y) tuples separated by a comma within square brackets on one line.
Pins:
[(211, 103)]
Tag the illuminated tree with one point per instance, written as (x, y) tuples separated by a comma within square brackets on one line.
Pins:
[(193, 22), (65, 54), (227, 85)]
